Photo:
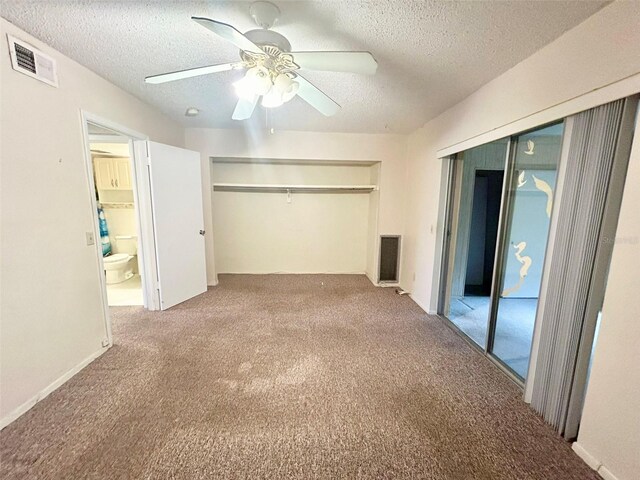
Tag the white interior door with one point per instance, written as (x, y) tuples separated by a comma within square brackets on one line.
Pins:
[(178, 221)]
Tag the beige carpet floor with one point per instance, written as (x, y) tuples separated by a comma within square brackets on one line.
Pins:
[(312, 376)]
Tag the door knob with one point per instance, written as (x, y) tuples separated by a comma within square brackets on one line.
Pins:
[(202, 232)]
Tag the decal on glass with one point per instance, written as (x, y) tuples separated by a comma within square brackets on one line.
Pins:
[(544, 187), (526, 264)]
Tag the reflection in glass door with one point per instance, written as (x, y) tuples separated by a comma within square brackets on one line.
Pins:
[(527, 215), (497, 226), (475, 210)]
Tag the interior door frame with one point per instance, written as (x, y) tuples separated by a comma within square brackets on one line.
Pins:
[(140, 202)]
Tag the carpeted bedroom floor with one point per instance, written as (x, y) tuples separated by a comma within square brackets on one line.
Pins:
[(306, 376)]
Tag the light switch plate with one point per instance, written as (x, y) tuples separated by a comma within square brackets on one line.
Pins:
[(91, 239)]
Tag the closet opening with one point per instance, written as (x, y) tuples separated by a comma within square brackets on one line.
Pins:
[(296, 216)]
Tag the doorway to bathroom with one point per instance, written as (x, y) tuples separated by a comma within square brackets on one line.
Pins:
[(146, 199), (113, 176)]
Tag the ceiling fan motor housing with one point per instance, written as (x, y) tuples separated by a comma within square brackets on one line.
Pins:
[(265, 14), (263, 37)]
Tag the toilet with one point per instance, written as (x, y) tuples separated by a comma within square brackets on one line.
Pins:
[(119, 267)]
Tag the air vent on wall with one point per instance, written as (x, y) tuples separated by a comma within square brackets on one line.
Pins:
[(26, 59), (389, 258)]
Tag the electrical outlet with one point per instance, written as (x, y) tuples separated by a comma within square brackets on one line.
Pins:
[(91, 239)]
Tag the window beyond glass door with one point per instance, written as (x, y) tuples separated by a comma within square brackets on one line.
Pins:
[(528, 214)]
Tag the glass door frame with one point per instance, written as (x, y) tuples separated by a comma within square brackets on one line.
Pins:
[(497, 277), (506, 199), (451, 166)]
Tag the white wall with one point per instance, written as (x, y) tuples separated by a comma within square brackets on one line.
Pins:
[(390, 150), (261, 232), (51, 311), (596, 62), (609, 437), (120, 222), (373, 239)]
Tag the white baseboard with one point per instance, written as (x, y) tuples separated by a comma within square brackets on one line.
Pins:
[(586, 456), (26, 406), (606, 474), (593, 462), (424, 308), (366, 274)]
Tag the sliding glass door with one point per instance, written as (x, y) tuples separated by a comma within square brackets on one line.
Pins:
[(478, 180), (529, 203), (498, 224)]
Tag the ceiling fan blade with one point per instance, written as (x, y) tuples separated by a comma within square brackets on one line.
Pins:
[(229, 33), (244, 108), (350, 62), (191, 72), (316, 98)]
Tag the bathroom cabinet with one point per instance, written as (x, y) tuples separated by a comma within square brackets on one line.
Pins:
[(112, 173)]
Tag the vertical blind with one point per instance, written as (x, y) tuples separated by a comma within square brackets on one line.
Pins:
[(580, 215)]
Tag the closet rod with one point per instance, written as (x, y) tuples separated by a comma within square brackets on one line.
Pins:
[(292, 188)]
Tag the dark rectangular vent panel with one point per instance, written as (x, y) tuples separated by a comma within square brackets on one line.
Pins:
[(389, 258), (26, 59)]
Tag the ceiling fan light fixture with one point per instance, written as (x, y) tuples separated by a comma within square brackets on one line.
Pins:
[(273, 99), (244, 89), (286, 86), (256, 82), (260, 79)]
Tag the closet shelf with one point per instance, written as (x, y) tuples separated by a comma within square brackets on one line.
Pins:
[(116, 204), (249, 187)]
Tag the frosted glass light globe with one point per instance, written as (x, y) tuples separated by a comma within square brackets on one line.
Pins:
[(286, 86)]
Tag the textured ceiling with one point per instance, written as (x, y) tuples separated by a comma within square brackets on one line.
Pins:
[(431, 54)]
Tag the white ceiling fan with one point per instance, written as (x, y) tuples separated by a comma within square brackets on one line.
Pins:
[(272, 69)]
